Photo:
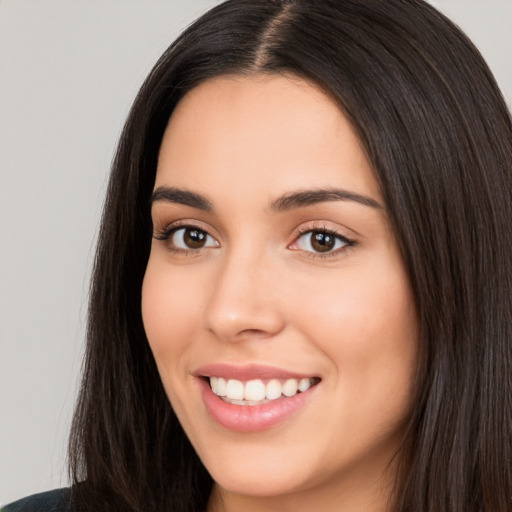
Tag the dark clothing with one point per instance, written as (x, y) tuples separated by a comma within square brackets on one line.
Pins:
[(57, 500)]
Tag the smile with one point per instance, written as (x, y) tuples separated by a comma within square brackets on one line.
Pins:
[(274, 395), (257, 391)]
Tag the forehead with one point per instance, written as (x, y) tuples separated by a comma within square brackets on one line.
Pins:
[(242, 132)]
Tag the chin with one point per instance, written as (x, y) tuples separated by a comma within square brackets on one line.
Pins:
[(264, 481)]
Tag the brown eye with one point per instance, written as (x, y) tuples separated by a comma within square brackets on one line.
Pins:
[(321, 241), (193, 238), (190, 238)]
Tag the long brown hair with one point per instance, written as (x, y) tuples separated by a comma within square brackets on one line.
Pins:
[(438, 134)]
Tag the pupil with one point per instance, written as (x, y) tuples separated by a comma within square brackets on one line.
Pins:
[(194, 238), (322, 242)]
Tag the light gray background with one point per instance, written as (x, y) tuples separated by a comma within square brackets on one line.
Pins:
[(69, 70)]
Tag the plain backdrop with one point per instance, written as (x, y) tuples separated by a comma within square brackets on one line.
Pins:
[(69, 70)]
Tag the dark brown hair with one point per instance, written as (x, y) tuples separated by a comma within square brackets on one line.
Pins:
[(438, 134)]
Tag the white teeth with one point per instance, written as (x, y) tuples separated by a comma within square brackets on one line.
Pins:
[(290, 388), (219, 387), (273, 389), (304, 384), (235, 389), (255, 392)]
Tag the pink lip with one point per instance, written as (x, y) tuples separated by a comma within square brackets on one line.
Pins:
[(247, 372), (250, 418)]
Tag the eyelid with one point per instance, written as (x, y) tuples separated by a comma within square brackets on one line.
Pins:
[(164, 234), (322, 228), (167, 227)]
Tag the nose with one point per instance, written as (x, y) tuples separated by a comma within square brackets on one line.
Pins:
[(245, 302)]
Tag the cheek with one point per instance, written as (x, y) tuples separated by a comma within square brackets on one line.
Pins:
[(381, 352), (168, 312), (361, 309), (366, 324)]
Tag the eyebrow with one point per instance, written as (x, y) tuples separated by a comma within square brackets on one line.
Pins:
[(181, 196), (286, 202), (308, 197)]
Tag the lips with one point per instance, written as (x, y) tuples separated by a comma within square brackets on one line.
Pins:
[(272, 394)]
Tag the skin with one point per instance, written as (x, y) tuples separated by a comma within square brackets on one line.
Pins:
[(258, 292)]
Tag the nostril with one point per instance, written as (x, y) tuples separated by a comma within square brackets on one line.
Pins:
[(253, 333)]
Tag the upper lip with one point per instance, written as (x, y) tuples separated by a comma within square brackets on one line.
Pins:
[(247, 372)]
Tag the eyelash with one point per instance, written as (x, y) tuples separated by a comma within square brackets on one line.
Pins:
[(326, 231), (165, 235)]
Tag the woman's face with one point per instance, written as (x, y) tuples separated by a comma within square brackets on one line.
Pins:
[(274, 271)]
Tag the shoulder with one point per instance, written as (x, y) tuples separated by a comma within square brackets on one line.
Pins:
[(57, 500)]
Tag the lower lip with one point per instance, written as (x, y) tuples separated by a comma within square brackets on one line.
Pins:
[(251, 418)]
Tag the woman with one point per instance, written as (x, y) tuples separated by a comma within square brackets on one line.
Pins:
[(302, 293)]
